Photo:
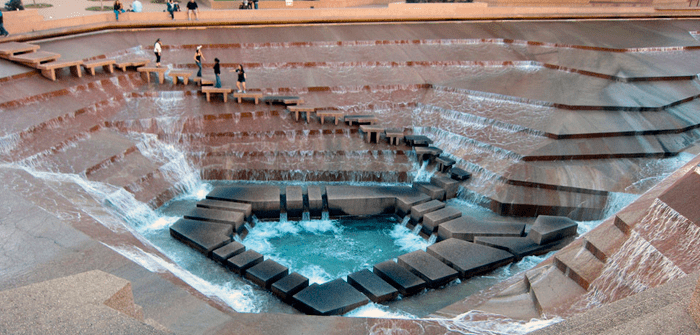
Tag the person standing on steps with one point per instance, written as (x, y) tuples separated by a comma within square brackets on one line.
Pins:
[(241, 78), (3, 32), (118, 8), (217, 73), (157, 49), (192, 8), (198, 58)]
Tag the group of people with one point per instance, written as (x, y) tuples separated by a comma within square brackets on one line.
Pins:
[(172, 7), (136, 7), (192, 8), (199, 59)]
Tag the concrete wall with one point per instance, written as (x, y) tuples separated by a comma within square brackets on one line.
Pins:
[(29, 21)]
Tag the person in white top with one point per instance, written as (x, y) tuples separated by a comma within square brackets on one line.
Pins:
[(136, 6), (157, 49)]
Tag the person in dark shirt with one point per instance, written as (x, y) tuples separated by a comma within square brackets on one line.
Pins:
[(241, 78), (192, 8), (3, 32), (217, 72), (118, 8), (198, 58)]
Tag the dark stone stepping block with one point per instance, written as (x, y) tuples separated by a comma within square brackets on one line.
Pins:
[(236, 219), (201, 235), (450, 185), (412, 198), (288, 286), (469, 259), (406, 282), (434, 192), (243, 261), (315, 200), (467, 227), (362, 200), (375, 288), (432, 220), (232, 249), (277, 99), (295, 201), (444, 163), (433, 271), (332, 298), (418, 211), (552, 228), (518, 246), (417, 140), (459, 174), (426, 153), (265, 273), (264, 199), (244, 208)]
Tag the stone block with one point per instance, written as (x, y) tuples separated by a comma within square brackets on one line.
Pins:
[(265, 273), (469, 259), (518, 246), (288, 286), (404, 202), (418, 211), (432, 220), (331, 298), (236, 219), (375, 288), (426, 153), (265, 200), (444, 163), (552, 228), (450, 185), (467, 227), (433, 271), (244, 208), (418, 140), (232, 249), (403, 280), (295, 201), (361, 200), (244, 261), (434, 192), (315, 200), (200, 235), (459, 174)]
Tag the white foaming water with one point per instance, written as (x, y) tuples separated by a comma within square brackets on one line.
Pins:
[(420, 170), (316, 274), (374, 310), (478, 322), (240, 299), (407, 240), (176, 168)]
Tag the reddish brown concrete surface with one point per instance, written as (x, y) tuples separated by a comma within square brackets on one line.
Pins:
[(551, 117)]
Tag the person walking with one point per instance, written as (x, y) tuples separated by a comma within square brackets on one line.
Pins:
[(118, 8), (198, 58), (217, 73), (3, 32), (157, 49), (255, 4), (192, 8), (241, 78)]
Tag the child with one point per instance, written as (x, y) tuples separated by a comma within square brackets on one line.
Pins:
[(241, 78), (217, 72)]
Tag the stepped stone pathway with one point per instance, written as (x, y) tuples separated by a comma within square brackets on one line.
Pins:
[(228, 212)]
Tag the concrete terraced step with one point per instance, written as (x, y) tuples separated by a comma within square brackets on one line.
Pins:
[(531, 201), (515, 301), (578, 263), (100, 147), (132, 168), (552, 289)]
